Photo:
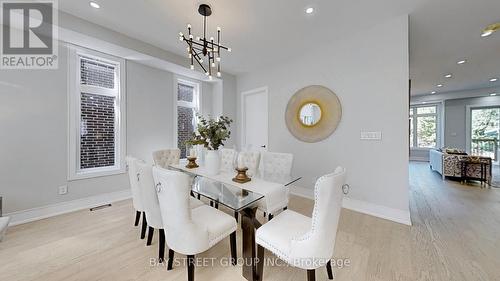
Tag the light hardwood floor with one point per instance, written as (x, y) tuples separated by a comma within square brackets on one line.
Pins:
[(455, 236)]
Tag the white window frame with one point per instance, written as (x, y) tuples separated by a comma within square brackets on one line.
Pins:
[(74, 113), (196, 104), (438, 124)]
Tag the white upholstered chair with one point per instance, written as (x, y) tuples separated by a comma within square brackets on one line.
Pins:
[(227, 159), (250, 159), (152, 207), (189, 231), (276, 165), (165, 157), (133, 177), (304, 242)]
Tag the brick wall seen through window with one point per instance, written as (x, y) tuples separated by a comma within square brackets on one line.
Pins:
[(185, 115), (95, 73), (97, 131)]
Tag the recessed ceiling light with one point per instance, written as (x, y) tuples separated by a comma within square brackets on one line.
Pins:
[(424, 102), (486, 33), (493, 79), (448, 75), (490, 29), (94, 5), (433, 92), (309, 10), (461, 61), (439, 85), (493, 94)]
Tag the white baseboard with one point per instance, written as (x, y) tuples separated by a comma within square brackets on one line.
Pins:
[(376, 210), (302, 192), (364, 207), (39, 213)]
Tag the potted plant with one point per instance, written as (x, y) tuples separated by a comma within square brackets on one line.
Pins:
[(211, 133)]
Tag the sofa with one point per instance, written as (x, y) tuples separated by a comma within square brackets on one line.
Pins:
[(448, 163)]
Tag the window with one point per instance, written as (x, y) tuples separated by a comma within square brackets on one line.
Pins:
[(424, 126), (187, 108), (96, 98), (484, 131)]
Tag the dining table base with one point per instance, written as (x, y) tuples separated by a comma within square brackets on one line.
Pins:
[(249, 224)]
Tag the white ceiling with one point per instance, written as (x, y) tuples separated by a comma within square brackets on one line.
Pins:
[(444, 31), (263, 32)]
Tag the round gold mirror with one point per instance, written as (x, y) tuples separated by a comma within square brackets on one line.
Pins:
[(310, 114), (313, 113)]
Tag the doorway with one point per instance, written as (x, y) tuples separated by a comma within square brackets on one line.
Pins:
[(254, 119)]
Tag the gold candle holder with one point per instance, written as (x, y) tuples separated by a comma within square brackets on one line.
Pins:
[(242, 177), (192, 162)]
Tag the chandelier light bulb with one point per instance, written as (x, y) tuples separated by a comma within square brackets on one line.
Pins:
[(213, 64), (211, 39), (201, 60), (181, 38), (229, 50), (190, 55), (218, 74), (218, 28), (210, 77), (190, 36), (217, 58), (189, 25), (206, 73), (192, 67)]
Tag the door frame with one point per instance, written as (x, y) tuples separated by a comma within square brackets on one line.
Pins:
[(243, 95)]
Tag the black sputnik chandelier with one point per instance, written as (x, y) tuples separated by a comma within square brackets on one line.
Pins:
[(204, 50)]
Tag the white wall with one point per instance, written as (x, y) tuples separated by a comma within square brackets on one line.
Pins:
[(33, 146), (33, 120), (229, 107), (369, 73), (150, 107)]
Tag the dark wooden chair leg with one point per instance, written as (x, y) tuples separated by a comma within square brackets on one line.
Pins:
[(329, 270), (265, 214), (236, 216), (270, 217), (311, 276), (151, 231), (216, 205), (190, 267), (211, 203), (161, 246), (137, 218), (199, 196), (232, 241), (260, 262), (170, 259), (144, 225)]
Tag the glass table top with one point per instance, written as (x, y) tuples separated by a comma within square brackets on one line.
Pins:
[(232, 197), (221, 189)]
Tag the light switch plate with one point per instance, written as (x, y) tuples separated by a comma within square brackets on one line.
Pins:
[(374, 135)]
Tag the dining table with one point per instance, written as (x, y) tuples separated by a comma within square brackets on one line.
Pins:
[(242, 198)]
